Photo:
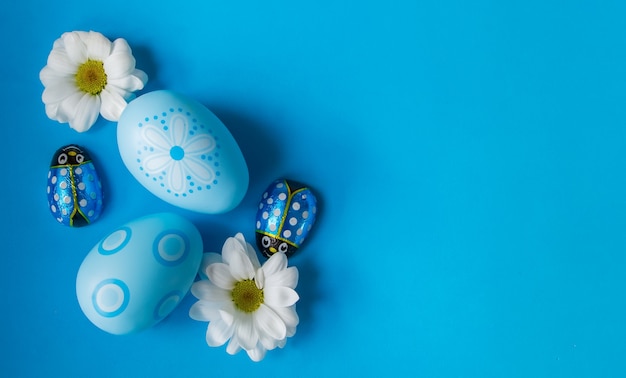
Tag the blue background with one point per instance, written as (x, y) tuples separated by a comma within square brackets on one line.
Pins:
[(469, 158)]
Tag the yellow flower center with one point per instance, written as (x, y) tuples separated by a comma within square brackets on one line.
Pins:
[(91, 77), (247, 296)]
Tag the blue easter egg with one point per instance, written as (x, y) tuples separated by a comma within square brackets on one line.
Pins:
[(182, 153), (286, 214), (136, 275), (74, 188)]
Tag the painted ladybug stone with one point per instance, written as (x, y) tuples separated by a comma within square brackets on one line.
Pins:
[(285, 216)]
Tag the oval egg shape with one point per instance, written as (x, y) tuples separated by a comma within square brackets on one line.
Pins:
[(182, 153), (74, 188), (136, 275), (284, 218)]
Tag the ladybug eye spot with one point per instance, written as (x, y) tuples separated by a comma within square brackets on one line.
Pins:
[(62, 159), (283, 247), (80, 158), (266, 241)]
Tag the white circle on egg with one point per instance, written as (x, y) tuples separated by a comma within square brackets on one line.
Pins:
[(115, 242), (167, 304), (110, 297), (171, 247)]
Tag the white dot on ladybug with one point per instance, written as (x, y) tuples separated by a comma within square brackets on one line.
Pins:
[(299, 232), (293, 221), (265, 215), (282, 196), (314, 209), (270, 201), (305, 214), (287, 233), (63, 172), (272, 226), (296, 206), (67, 199), (56, 197), (54, 180), (90, 213), (304, 196), (258, 225), (79, 171), (53, 208), (48, 190), (63, 185), (261, 205), (265, 195), (81, 186), (83, 203), (49, 174), (276, 212), (280, 185)]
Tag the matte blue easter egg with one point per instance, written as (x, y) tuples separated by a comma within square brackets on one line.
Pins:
[(182, 153), (136, 275)]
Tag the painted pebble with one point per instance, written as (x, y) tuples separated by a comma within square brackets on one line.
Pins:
[(136, 275), (74, 188), (285, 216)]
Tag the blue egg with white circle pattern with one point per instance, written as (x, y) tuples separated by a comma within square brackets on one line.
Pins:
[(74, 188), (139, 273), (182, 153), (286, 214)]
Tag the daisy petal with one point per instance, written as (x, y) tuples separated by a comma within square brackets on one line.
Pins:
[(48, 76), (277, 262), (208, 258), (280, 296), (86, 114), (63, 89), (233, 346), (252, 255), (268, 342), (259, 278), (207, 291), (240, 266), (268, 322), (218, 332), (203, 311), (59, 62), (286, 277), (98, 46), (75, 48), (52, 111), (257, 354), (118, 65), (220, 275), (288, 315), (129, 83), (112, 105), (245, 332)]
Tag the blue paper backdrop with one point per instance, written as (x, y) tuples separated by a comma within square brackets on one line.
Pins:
[(469, 158)]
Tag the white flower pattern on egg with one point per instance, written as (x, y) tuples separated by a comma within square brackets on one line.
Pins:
[(180, 161)]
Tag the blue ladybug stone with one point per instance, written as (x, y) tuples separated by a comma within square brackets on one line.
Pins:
[(74, 189), (285, 217)]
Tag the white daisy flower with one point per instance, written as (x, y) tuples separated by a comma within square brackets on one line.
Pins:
[(87, 75), (250, 304)]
